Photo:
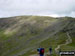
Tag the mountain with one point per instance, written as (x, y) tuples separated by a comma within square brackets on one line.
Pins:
[(22, 35)]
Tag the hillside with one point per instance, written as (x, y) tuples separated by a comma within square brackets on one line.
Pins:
[(22, 35)]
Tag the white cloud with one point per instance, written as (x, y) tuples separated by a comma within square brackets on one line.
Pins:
[(37, 7)]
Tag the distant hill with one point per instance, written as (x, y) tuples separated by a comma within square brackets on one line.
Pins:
[(22, 35)]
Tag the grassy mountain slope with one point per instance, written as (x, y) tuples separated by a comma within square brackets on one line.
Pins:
[(22, 35)]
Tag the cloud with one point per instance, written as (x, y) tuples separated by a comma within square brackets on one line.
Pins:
[(37, 7)]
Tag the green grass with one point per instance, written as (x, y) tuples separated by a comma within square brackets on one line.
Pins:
[(51, 42), (3, 36)]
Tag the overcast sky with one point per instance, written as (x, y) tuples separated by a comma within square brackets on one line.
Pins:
[(37, 7)]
